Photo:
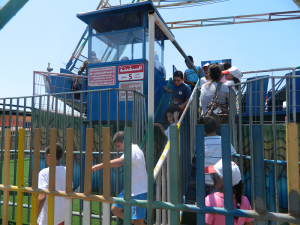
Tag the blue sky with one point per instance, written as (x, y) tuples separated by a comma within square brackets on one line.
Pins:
[(48, 31)]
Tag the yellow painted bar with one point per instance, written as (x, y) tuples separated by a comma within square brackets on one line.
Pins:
[(35, 174), (88, 161), (20, 182), (106, 159), (69, 160), (292, 168), (6, 176), (82, 196), (52, 167)]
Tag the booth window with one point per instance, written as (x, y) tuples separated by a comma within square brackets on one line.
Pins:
[(118, 46)]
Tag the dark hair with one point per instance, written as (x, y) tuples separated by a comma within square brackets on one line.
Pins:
[(226, 65), (209, 124), (59, 151), (191, 58), (178, 74), (118, 137), (171, 110), (237, 189), (235, 80), (214, 73)]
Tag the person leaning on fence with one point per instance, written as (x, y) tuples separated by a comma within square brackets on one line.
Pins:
[(213, 149), (190, 76), (217, 199), (138, 179), (180, 91), (233, 76), (172, 116), (208, 90), (60, 185)]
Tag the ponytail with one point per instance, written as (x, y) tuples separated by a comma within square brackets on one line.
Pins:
[(238, 191)]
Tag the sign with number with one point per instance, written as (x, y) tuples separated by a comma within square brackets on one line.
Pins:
[(131, 72)]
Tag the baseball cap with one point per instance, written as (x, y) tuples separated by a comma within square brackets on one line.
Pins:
[(218, 168), (234, 71), (205, 65)]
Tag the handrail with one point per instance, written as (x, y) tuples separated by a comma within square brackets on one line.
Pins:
[(171, 37), (146, 135), (166, 150)]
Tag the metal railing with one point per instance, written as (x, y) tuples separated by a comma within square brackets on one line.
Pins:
[(104, 108), (270, 100)]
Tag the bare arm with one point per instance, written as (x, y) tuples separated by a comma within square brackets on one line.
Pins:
[(41, 201), (176, 115), (113, 163), (184, 104), (186, 80), (161, 127), (167, 90), (249, 223)]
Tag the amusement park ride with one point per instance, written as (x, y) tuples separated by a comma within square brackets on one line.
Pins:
[(124, 87)]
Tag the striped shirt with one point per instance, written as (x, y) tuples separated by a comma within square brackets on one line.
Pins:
[(213, 153)]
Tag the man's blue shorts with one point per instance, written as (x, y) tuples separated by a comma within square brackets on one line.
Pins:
[(136, 212)]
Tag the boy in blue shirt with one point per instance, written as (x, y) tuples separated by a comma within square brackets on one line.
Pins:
[(190, 77), (180, 91)]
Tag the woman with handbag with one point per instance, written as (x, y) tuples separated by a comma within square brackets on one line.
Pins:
[(214, 96)]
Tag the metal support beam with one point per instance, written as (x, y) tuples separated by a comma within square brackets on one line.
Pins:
[(255, 18)]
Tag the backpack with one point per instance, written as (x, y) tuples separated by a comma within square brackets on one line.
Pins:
[(216, 110)]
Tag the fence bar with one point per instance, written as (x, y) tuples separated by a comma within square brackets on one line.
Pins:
[(261, 101), (106, 173), (126, 108), (163, 193), (127, 173), (15, 155), (274, 144), (100, 153), (292, 168), (227, 177), (150, 142), (69, 175), (288, 102), (6, 175), (250, 142), (240, 131), (80, 146), (35, 174), (52, 170), (174, 161), (118, 128), (2, 143), (20, 176), (158, 196), (294, 95), (258, 161), (271, 203), (200, 175), (47, 121), (30, 157), (88, 175), (64, 131)]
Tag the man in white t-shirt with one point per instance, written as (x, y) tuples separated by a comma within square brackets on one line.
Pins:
[(138, 179), (60, 185), (212, 146)]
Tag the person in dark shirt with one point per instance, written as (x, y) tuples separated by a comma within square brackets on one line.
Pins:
[(180, 91)]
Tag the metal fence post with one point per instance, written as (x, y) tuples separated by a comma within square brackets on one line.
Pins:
[(174, 179), (227, 177), (200, 175), (127, 173)]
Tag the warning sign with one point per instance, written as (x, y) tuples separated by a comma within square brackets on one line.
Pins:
[(134, 85), (103, 76), (131, 72)]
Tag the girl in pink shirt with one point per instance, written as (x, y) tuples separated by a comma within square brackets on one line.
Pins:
[(217, 199)]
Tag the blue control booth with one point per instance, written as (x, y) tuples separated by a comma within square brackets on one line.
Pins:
[(118, 52)]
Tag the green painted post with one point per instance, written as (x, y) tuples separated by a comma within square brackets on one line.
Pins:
[(127, 173), (174, 176), (150, 142)]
